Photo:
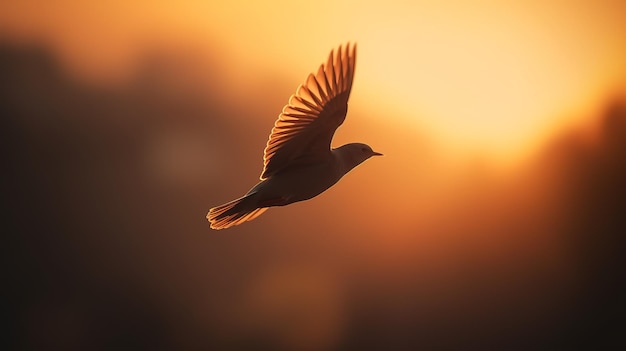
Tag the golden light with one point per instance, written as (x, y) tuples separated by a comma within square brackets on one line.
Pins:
[(482, 76), (494, 214)]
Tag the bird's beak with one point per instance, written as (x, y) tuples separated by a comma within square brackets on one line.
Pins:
[(374, 153)]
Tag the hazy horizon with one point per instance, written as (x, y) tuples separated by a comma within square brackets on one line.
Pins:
[(434, 246)]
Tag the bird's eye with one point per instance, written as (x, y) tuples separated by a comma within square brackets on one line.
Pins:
[(364, 149)]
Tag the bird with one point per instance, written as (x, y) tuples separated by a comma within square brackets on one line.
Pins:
[(298, 161)]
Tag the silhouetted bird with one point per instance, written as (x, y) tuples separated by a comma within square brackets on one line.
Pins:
[(298, 162)]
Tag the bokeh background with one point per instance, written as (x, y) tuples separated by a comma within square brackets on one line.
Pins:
[(496, 219)]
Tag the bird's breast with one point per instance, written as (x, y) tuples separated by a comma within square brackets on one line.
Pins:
[(302, 182)]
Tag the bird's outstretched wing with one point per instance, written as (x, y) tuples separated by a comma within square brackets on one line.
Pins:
[(304, 129)]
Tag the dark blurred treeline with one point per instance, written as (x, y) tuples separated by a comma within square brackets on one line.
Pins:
[(103, 185), (79, 190), (592, 173)]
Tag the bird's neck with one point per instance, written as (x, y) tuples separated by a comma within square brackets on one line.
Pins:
[(345, 160)]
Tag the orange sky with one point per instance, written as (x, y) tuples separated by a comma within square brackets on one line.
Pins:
[(482, 76), (491, 207)]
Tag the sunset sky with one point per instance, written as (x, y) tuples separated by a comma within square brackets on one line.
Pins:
[(494, 217), (481, 76)]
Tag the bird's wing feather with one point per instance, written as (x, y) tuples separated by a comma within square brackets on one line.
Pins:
[(304, 129)]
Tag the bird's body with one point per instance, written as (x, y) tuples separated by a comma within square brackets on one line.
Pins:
[(300, 182), (299, 163)]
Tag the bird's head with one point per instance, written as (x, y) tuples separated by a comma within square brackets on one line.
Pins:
[(354, 154)]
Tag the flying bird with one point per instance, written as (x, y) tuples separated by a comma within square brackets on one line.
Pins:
[(298, 161)]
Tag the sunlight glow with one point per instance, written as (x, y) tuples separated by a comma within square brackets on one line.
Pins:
[(483, 76)]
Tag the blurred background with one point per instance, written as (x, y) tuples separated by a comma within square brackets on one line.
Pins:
[(496, 219)]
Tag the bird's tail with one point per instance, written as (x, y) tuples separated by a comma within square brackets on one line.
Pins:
[(233, 213)]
